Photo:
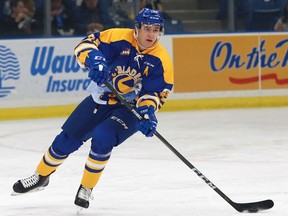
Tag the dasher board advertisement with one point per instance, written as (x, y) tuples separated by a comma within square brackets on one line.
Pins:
[(39, 72), (230, 62)]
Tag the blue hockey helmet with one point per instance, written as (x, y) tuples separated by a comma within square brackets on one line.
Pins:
[(149, 16)]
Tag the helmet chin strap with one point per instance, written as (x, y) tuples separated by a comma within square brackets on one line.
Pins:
[(140, 45)]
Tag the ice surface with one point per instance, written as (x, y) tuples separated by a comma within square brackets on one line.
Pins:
[(242, 151)]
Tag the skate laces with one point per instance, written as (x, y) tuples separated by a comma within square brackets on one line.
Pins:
[(85, 193), (30, 181)]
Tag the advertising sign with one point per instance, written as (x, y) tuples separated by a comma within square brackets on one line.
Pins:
[(38, 71), (230, 62)]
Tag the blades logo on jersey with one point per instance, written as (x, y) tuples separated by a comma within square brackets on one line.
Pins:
[(123, 83)]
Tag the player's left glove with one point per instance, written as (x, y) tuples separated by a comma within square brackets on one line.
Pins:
[(98, 71), (149, 122)]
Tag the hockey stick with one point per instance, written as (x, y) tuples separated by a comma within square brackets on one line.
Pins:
[(251, 207)]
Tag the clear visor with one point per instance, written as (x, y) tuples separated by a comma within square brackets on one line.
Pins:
[(153, 27)]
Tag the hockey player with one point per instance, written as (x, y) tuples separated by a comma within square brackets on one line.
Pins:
[(139, 68)]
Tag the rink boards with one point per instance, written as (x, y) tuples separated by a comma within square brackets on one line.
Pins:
[(40, 77)]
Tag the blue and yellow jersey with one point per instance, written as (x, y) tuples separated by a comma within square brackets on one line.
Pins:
[(143, 78)]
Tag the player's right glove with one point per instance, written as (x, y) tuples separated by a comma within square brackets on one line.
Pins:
[(98, 71), (149, 122)]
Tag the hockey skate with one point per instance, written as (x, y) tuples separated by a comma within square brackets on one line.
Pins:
[(82, 197), (32, 183)]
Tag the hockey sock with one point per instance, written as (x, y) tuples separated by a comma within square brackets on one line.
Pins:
[(94, 166), (50, 161)]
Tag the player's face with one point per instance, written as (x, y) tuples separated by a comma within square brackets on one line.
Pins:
[(148, 34)]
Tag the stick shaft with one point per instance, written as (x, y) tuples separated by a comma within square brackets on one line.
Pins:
[(238, 206), (177, 153)]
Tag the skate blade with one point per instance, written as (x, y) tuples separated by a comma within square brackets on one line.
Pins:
[(31, 191)]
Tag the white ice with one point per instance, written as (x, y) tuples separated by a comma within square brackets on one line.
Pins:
[(244, 152)]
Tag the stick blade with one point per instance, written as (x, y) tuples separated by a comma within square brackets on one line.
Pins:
[(254, 206)]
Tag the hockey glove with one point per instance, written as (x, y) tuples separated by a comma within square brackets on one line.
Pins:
[(98, 71), (149, 122)]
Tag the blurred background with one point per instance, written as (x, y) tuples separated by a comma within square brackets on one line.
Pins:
[(39, 18)]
